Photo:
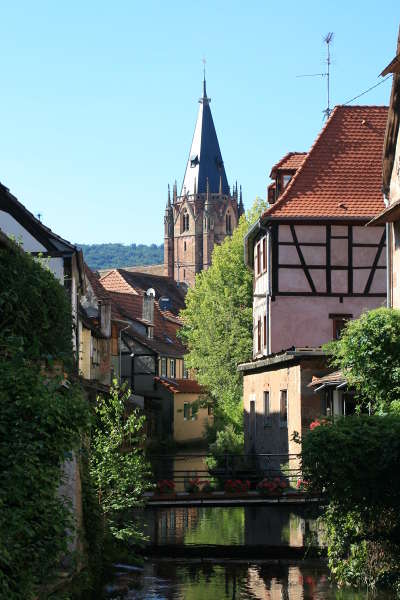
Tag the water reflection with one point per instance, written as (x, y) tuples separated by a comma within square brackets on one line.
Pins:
[(230, 526), (273, 580)]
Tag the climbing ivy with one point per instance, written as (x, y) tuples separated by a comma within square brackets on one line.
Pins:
[(41, 422)]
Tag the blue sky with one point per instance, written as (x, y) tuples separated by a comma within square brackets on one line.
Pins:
[(98, 99)]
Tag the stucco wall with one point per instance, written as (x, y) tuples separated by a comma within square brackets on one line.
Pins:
[(302, 321), (274, 438), (188, 430), (303, 405)]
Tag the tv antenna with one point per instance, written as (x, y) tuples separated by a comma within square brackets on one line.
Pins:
[(327, 39)]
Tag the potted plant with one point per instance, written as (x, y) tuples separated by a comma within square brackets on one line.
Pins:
[(302, 485), (236, 486), (207, 487), (272, 486), (165, 486), (193, 486)]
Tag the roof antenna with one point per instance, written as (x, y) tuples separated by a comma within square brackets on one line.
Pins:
[(327, 39)]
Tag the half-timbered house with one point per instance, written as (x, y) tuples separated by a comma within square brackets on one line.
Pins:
[(315, 265), (391, 183)]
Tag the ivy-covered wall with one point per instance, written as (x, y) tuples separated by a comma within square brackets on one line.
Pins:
[(42, 421)]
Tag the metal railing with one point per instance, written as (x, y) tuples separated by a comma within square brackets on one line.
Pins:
[(181, 467)]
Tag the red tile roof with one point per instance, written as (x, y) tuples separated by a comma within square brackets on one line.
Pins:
[(290, 162), (127, 290), (181, 386), (341, 176)]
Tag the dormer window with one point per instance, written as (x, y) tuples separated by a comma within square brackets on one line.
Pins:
[(285, 180), (219, 162)]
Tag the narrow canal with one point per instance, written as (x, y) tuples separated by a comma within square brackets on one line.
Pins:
[(218, 553)]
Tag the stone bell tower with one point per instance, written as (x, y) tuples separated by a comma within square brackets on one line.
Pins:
[(206, 211)]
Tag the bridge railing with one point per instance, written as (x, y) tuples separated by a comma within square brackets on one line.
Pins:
[(183, 467)]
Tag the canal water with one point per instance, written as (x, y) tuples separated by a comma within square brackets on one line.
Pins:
[(221, 558)]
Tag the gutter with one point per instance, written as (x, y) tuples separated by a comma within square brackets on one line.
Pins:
[(388, 259)]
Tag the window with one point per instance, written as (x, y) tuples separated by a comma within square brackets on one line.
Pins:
[(209, 410), (339, 323), (186, 411), (195, 409), (172, 368), (286, 179), (184, 246), (228, 221), (184, 274), (258, 259), (264, 254), (267, 410), (185, 372), (327, 403), (185, 221), (284, 409), (252, 422), (150, 333), (163, 367), (259, 335), (265, 331)]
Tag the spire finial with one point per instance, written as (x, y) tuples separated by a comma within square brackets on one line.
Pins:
[(204, 78), (169, 196)]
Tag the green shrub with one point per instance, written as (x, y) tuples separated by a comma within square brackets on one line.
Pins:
[(368, 353), (354, 460), (118, 468)]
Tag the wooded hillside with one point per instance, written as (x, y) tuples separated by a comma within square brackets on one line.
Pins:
[(104, 256)]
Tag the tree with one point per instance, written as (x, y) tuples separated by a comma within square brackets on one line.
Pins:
[(217, 324), (368, 353), (362, 486), (118, 468)]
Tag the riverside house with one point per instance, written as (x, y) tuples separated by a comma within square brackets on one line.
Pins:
[(315, 266), (151, 356)]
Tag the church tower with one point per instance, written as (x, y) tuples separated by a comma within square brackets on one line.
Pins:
[(206, 211)]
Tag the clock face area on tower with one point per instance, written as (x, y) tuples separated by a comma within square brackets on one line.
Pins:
[(206, 210)]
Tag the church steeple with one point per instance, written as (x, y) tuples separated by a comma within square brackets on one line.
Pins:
[(205, 212), (205, 159)]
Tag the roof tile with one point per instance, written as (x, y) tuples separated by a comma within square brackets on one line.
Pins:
[(341, 176)]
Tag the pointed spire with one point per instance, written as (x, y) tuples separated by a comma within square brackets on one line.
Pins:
[(241, 206), (174, 192), (169, 197), (205, 158)]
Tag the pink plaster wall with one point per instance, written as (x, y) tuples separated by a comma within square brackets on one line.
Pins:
[(302, 321)]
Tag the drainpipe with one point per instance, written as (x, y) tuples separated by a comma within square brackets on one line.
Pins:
[(120, 350), (388, 259)]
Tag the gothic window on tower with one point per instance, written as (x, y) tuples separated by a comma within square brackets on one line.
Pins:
[(185, 221), (228, 220), (184, 246)]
